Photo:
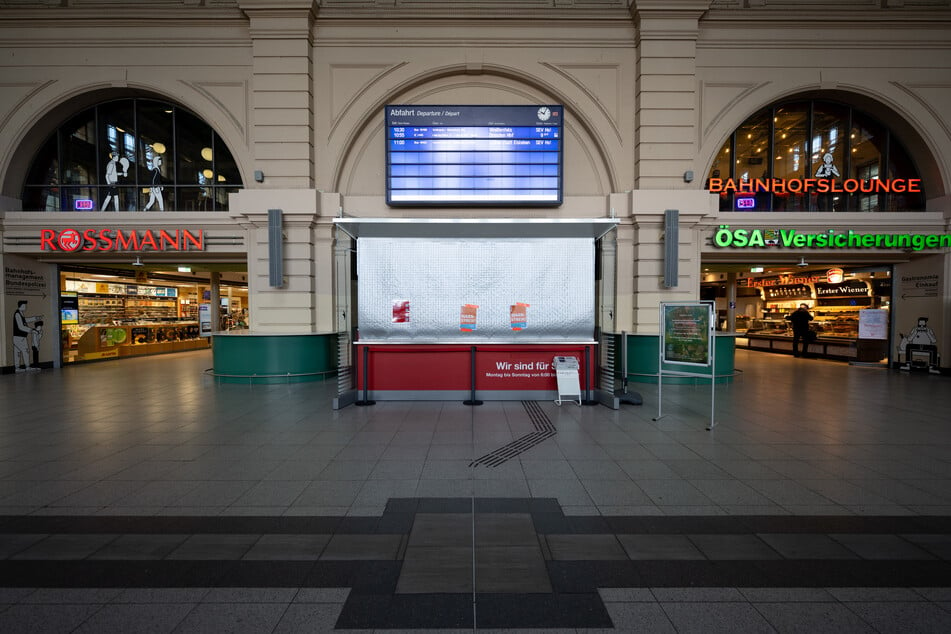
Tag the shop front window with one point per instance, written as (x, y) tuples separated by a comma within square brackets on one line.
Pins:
[(812, 155), (132, 155)]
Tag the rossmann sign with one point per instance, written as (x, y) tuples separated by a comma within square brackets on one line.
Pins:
[(72, 240)]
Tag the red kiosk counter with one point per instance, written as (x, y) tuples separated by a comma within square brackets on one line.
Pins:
[(472, 309)]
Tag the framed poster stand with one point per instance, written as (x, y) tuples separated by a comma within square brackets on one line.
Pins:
[(686, 339)]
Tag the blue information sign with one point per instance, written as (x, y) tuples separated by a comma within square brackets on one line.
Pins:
[(474, 155)]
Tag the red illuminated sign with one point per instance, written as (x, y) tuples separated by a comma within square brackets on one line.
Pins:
[(120, 240), (83, 204), (784, 186), (745, 203)]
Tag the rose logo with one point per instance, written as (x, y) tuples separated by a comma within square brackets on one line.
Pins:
[(70, 240)]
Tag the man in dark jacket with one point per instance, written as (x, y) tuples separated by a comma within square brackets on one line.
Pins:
[(800, 329)]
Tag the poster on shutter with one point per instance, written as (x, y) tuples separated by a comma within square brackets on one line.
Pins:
[(468, 317), (400, 311), (518, 315)]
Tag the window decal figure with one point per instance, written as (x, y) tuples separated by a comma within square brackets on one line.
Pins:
[(112, 179), (155, 191), (918, 350), (25, 328), (827, 169)]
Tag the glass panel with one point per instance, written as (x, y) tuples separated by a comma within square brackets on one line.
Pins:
[(721, 169), (829, 146), (117, 153), (194, 146), (225, 166), (45, 167), (900, 165), (195, 199), (221, 197), (791, 154), (156, 151), (79, 198), (752, 154), (78, 139), (868, 141)]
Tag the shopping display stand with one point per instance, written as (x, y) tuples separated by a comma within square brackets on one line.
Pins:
[(566, 372)]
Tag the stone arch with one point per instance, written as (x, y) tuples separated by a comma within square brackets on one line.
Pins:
[(587, 141), (57, 109), (897, 117)]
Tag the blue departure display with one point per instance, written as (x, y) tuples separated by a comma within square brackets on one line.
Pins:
[(474, 155)]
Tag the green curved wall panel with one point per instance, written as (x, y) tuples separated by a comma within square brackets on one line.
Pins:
[(274, 358)]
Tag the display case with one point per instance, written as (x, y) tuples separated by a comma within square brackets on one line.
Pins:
[(109, 342)]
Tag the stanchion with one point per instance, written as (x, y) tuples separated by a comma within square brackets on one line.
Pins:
[(587, 383), (472, 379), (366, 387)]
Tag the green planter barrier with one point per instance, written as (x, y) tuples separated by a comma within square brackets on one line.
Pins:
[(273, 358)]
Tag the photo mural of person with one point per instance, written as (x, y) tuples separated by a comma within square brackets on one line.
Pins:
[(155, 191), (24, 334), (919, 339), (112, 179)]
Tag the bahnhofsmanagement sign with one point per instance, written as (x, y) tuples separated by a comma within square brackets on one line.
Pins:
[(726, 237)]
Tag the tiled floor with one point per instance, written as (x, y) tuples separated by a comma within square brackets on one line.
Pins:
[(143, 496)]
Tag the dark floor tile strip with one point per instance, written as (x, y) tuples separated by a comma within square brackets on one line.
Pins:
[(584, 610), (406, 611), (585, 576)]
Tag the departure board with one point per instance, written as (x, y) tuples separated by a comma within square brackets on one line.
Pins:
[(474, 155)]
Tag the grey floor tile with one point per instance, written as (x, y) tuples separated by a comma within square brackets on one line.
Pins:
[(585, 547), (504, 529), (232, 617), (322, 595), (809, 618), (903, 617), (707, 618), (436, 569), (64, 546), (211, 546), (287, 548), (362, 547), (442, 529), (733, 547), (250, 595), (139, 547), (640, 617), (303, 618), (155, 618), (659, 547), (806, 546), (881, 547), (45, 619), (519, 570)]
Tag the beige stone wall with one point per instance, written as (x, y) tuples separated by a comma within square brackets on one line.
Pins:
[(651, 88)]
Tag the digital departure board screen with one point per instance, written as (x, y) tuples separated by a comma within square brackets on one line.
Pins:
[(474, 155)]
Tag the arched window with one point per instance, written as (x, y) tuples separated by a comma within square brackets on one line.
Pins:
[(132, 155), (813, 139)]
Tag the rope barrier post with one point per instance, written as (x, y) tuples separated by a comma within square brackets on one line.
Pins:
[(366, 388), (587, 376), (472, 379)]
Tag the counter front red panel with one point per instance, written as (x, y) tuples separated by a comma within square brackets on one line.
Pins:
[(449, 367)]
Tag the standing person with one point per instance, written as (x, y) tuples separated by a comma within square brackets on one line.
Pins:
[(800, 329)]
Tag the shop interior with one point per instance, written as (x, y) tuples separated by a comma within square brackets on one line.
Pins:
[(112, 311), (849, 303)]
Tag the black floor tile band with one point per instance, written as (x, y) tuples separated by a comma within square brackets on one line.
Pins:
[(574, 602)]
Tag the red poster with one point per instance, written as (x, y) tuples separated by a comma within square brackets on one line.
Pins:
[(468, 317), (518, 315), (400, 311)]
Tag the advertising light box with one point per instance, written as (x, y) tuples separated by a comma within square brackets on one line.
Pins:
[(474, 155)]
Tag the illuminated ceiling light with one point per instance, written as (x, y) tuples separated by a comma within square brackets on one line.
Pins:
[(158, 148), (184, 269), (221, 178), (119, 129), (168, 112), (855, 149), (756, 269), (727, 150), (749, 136), (207, 173), (784, 135), (206, 153), (779, 157)]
